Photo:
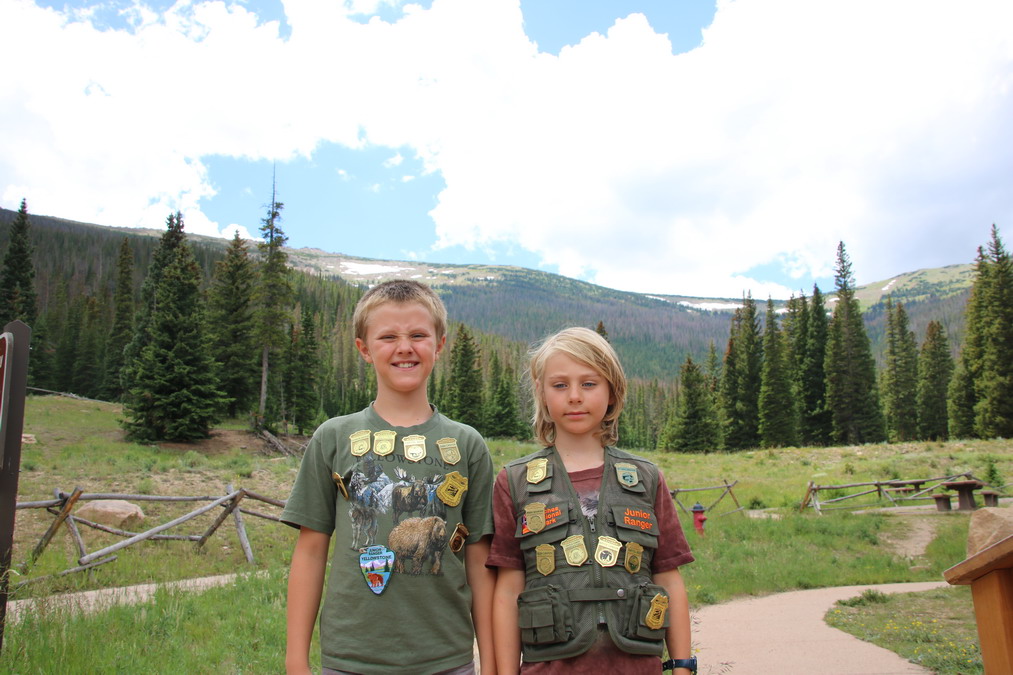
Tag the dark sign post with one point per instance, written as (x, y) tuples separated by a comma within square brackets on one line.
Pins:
[(14, 378)]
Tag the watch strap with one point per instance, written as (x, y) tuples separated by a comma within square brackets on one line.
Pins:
[(672, 664)]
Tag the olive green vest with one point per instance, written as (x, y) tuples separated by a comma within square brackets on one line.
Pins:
[(580, 573)]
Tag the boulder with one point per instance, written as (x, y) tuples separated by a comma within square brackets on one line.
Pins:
[(988, 526), (112, 512)]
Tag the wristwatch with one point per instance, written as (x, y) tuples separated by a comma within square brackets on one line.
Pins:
[(672, 664)]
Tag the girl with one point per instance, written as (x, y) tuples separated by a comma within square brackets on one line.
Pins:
[(587, 541)]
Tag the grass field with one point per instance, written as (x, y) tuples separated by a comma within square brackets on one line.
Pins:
[(80, 444)]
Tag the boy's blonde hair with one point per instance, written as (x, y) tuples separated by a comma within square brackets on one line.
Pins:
[(400, 291), (593, 350)]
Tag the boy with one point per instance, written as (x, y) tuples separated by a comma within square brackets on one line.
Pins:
[(408, 494)]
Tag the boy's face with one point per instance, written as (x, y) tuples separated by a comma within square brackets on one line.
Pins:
[(401, 344), (576, 396)]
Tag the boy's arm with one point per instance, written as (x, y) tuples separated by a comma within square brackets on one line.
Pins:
[(678, 635), (482, 581), (305, 585), (509, 584)]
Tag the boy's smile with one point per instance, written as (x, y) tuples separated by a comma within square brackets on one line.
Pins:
[(401, 344)]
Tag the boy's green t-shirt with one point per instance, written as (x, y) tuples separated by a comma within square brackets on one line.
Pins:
[(421, 620)]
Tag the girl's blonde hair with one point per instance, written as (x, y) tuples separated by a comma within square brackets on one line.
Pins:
[(593, 350)]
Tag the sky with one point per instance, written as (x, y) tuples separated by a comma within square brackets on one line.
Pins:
[(680, 147)]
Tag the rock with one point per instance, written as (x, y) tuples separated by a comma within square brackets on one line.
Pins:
[(988, 526), (28, 439), (112, 512)]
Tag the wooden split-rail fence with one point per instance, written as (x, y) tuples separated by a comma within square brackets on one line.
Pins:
[(890, 492), (63, 505), (725, 491)]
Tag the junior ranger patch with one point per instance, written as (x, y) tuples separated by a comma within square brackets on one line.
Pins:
[(360, 442), (414, 447), (627, 474), (449, 451), (383, 442), (655, 618), (452, 489), (575, 550), (458, 538), (537, 470), (376, 563), (634, 555), (545, 559), (607, 552), (534, 516)]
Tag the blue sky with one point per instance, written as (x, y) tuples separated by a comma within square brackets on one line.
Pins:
[(665, 146)]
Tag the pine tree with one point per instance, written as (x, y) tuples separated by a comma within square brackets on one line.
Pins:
[(963, 395), (174, 393), (815, 424), (273, 298), (86, 373), (600, 329), (740, 382), (301, 375), (852, 394), (230, 310), (778, 424), (502, 415), (464, 388), (993, 409), (900, 376), (17, 279), (123, 322), (935, 368), (696, 421)]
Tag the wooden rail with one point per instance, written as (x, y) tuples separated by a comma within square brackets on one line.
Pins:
[(892, 492)]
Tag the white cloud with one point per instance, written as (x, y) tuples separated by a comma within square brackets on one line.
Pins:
[(795, 125)]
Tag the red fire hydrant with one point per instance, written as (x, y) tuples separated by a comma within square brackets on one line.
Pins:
[(698, 517)]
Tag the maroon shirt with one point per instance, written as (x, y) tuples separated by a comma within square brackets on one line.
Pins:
[(672, 552)]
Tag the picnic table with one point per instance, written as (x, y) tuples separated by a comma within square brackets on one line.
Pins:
[(965, 492), (989, 573)]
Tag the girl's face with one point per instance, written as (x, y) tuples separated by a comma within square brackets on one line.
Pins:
[(576, 396)]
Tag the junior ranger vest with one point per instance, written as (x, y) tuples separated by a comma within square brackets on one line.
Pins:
[(579, 572)]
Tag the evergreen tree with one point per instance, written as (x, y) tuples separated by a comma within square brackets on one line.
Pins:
[(174, 391), (86, 373), (18, 274), (900, 376), (230, 309), (600, 329), (273, 298), (696, 425), (852, 394), (464, 388), (963, 395), (935, 367), (815, 424), (123, 322), (740, 383), (993, 408), (503, 417), (778, 423), (301, 375)]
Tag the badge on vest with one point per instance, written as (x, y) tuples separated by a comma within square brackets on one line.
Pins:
[(627, 474), (340, 483), (534, 516), (607, 553), (360, 442), (458, 538), (634, 555), (449, 450), (452, 489), (383, 442), (538, 469), (414, 447), (376, 563), (655, 618), (574, 550), (545, 559)]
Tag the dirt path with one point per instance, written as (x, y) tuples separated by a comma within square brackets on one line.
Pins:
[(914, 535)]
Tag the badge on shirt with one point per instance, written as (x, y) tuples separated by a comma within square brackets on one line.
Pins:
[(545, 559), (452, 489), (607, 552), (537, 470), (360, 442), (376, 563), (449, 450), (458, 538), (634, 555), (414, 447), (655, 618), (627, 474), (574, 550), (340, 483), (534, 516), (383, 442)]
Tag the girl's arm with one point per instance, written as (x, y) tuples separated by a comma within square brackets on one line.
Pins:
[(678, 635), (482, 581), (305, 585), (509, 585)]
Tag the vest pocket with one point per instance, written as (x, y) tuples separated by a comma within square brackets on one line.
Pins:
[(638, 627), (543, 616)]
